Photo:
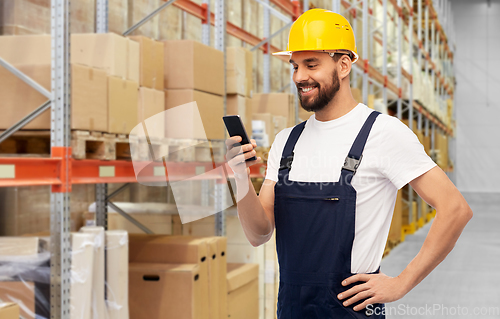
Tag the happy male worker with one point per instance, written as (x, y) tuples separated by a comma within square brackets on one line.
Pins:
[(331, 234)]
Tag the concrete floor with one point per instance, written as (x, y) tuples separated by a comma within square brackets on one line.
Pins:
[(467, 283)]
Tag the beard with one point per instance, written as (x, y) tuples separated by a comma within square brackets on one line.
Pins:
[(321, 98)]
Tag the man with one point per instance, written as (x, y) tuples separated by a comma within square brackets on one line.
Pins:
[(332, 213)]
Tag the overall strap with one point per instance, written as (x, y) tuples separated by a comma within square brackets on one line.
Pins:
[(353, 160), (287, 155)]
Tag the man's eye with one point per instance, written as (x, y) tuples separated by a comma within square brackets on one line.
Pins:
[(312, 66)]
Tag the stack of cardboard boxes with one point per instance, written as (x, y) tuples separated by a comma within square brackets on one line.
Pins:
[(104, 81), (441, 142), (276, 110), (193, 73), (24, 17), (119, 58), (151, 98), (240, 251), (395, 231), (19, 254), (239, 84), (186, 277)]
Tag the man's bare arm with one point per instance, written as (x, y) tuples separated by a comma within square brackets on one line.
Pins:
[(256, 213), (452, 214)]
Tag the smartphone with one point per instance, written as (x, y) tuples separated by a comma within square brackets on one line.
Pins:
[(235, 127)]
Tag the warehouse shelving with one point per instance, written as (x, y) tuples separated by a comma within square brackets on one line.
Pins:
[(61, 171)]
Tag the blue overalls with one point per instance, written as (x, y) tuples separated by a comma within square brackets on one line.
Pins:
[(314, 237)]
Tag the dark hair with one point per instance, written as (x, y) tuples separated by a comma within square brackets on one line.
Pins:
[(336, 57)]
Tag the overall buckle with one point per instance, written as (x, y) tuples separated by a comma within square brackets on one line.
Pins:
[(286, 162), (352, 164)]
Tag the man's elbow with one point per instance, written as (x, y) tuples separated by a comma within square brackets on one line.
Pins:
[(465, 212), (256, 243), (260, 241)]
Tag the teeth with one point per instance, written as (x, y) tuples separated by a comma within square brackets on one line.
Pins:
[(307, 89)]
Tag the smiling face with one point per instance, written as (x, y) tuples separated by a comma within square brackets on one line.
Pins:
[(316, 77)]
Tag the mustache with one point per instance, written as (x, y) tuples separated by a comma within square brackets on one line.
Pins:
[(303, 85)]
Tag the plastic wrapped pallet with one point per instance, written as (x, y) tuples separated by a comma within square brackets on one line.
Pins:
[(117, 274), (82, 264), (98, 303), (25, 276)]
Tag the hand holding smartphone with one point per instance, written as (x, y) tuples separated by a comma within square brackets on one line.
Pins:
[(235, 127)]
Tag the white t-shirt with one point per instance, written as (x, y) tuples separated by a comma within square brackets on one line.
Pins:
[(392, 157)]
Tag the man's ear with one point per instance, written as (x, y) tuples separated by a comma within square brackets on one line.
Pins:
[(345, 65)]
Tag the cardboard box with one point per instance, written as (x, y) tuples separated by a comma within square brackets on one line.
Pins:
[(21, 17), (157, 223), (26, 49), (122, 105), (116, 55), (88, 110), (150, 103), (133, 60), (163, 291), (282, 104), (18, 246), (107, 51), (173, 249), (239, 105), (427, 144), (22, 293), (217, 266), (29, 209), (415, 130), (236, 71), (192, 65), (249, 72), (152, 55), (279, 123), (405, 214), (182, 123), (221, 255), (243, 291), (19, 99), (213, 277), (396, 224), (268, 119), (9, 310), (248, 114), (303, 114), (356, 94)]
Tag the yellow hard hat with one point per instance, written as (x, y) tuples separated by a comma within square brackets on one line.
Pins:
[(320, 30)]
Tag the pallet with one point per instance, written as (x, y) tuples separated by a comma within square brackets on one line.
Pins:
[(193, 150), (26, 143), (107, 146), (96, 145), (410, 229)]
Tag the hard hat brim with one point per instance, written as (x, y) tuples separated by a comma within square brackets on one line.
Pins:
[(282, 53), (356, 56)]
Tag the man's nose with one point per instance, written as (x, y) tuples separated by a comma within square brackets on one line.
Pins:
[(301, 75)]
